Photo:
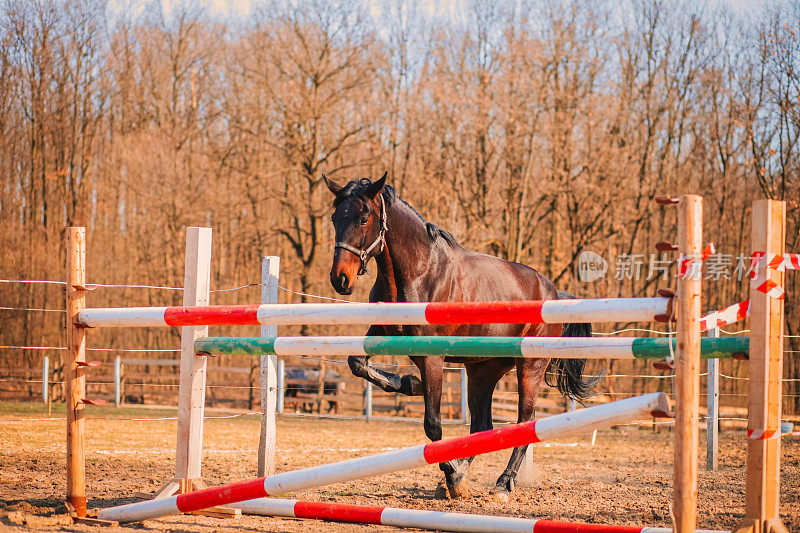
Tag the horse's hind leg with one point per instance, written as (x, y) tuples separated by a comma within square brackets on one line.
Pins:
[(530, 373), (481, 380)]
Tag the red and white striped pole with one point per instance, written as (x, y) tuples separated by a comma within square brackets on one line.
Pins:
[(601, 416), (410, 313), (431, 520)]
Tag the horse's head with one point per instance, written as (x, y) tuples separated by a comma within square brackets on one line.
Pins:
[(359, 220)]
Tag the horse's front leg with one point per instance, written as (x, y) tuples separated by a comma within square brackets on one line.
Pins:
[(431, 370), (409, 385)]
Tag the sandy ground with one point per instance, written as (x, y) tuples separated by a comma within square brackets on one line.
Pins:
[(625, 478)]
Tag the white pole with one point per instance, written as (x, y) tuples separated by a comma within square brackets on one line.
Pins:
[(192, 387), (712, 416), (368, 400), (117, 381), (270, 269), (464, 406), (281, 385), (45, 378)]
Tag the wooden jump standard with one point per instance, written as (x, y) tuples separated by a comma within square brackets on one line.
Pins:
[(597, 417), (560, 347), (431, 520)]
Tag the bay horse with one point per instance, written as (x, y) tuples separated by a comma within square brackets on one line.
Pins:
[(419, 262)]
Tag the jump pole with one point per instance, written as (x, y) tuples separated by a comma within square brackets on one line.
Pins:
[(655, 404), (766, 370), (403, 313), (687, 363), (430, 520), (559, 347)]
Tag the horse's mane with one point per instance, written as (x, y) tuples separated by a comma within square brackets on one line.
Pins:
[(358, 187)]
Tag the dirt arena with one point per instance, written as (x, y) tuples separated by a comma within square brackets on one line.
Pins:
[(625, 478)]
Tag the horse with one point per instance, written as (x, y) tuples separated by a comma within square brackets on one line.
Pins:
[(420, 262)]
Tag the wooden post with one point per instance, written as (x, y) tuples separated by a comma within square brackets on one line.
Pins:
[(281, 385), (464, 406), (117, 381), (270, 269), (712, 409), (76, 379), (687, 363), (192, 392), (766, 370), (45, 378), (368, 400)]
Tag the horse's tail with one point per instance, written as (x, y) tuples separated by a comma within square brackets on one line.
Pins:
[(566, 375)]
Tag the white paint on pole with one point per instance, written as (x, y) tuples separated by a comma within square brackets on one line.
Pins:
[(45, 378), (712, 411), (123, 316), (578, 347), (352, 469), (192, 391), (270, 271), (351, 313), (602, 416), (466, 523), (603, 310), (311, 346)]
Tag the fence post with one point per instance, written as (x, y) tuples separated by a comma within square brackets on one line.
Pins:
[(117, 381), (464, 406), (76, 378), (766, 370), (270, 269), (45, 378), (281, 385), (192, 388), (368, 400), (687, 363), (712, 408)]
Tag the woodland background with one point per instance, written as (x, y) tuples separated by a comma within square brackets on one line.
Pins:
[(531, 130)]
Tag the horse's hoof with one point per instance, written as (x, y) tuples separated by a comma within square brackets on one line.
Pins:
[(441, 492), (410, 385), (460, 491), (500, 496)]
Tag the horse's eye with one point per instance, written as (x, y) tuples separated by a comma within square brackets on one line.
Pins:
[(363, 221)]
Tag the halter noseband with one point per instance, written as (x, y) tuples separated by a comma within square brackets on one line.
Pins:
[(363, 255)]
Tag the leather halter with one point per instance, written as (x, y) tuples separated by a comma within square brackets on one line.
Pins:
[(363, 255)]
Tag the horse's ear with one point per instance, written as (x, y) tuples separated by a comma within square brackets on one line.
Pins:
[(375, 189), (332, 185)]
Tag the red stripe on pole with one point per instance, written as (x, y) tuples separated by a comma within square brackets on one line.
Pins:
[(212, 496), (550, 526), (482, 442), (213, 315), (512, 312), (339, 512)]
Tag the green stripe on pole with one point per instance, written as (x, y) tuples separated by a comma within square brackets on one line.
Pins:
[(448, 346), (235, 345), (710, 348)]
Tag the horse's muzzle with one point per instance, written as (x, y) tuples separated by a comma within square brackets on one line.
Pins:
[(341, 283)]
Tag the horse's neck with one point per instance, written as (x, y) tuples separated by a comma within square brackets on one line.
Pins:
[(408, 251)]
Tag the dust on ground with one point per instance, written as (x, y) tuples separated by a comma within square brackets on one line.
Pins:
[(624, 479)]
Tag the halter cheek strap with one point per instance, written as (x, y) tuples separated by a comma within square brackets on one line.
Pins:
[(363, 255)]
